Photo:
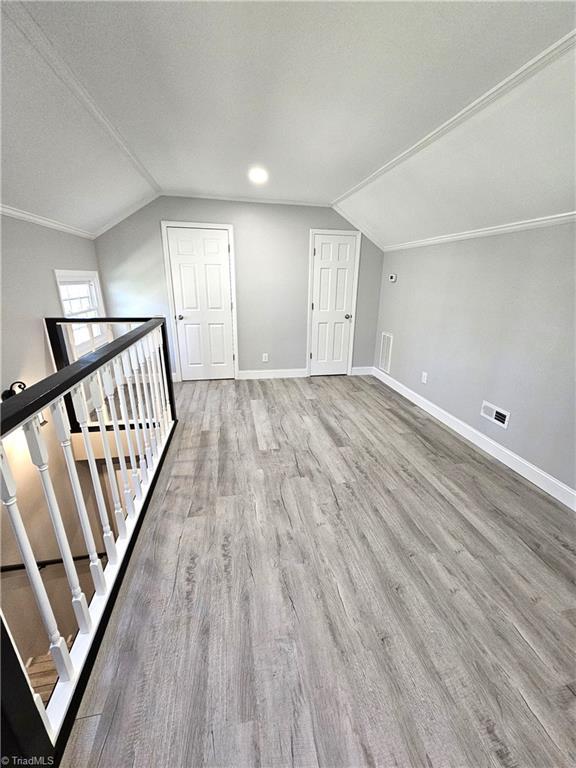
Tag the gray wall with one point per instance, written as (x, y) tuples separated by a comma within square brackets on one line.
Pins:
[(491, 319), (30, 254), (271, 273)]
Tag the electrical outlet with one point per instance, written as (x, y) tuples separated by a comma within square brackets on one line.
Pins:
[(264, 357), (424, 377)]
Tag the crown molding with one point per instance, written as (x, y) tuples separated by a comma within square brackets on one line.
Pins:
[(500, 229), (33, 33), (16, 213), (529, 69), (228, 199)]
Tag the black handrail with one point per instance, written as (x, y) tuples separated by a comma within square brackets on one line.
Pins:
[(36, 397)]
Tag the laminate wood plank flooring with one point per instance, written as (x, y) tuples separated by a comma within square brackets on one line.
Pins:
[(329, 578)]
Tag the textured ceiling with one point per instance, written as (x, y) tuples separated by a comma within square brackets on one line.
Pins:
[(108, 104)]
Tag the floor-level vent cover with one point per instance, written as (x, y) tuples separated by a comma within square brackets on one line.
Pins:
[(496, 414), (385, 352)]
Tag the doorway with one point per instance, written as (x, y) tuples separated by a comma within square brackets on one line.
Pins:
[(200, 270), (333, 285)]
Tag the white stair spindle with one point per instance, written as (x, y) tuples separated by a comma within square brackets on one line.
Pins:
[(155, 353), (165, 374), (39, 455), (153, 374), (81, 413), (71, 343), (145, 389), (58, 647), (62, 426), (146, 427), (97, 400), (117, 364), (110, 391), (138, 427)]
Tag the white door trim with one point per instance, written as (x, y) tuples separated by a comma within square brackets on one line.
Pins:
[(177, 374), (313, 233)]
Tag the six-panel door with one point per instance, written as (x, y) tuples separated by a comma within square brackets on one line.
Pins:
[(332, 298), (200, 261)]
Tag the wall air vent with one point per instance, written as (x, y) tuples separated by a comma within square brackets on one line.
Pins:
[(385, 351), (495, 414)]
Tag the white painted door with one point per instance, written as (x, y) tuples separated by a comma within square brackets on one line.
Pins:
[(200, 261), (334, 266)]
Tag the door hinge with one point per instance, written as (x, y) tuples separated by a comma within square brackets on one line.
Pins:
[(314, 251), (310, 355), (312, 305), (228, 247), (233, 356)]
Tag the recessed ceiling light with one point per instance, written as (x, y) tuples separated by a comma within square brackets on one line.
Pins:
[(258, 175)]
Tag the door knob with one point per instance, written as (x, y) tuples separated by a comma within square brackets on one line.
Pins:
[(347, 317), (180, 317)]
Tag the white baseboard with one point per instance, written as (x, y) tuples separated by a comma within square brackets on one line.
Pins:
[(534, 474), (359, 371), (176, 377), (279, 373)]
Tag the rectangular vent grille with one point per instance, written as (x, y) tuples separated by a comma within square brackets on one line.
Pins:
[(495, 414), (385, 351)]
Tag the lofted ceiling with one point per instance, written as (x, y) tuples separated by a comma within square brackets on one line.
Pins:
[(510, 162), (106, 105)]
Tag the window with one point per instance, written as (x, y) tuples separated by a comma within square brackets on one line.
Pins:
[(80, 296)]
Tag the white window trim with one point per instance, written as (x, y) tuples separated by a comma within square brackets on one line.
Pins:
[(63, 276), (79, 275)]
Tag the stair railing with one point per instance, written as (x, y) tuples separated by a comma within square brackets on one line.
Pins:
[(127, 385)]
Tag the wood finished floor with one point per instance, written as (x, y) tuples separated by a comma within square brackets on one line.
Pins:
[(327, 577)]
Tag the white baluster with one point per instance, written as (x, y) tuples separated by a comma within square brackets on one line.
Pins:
[(162, 380), (58, 647), (117, 364), (62, 426), (110, 391), (39, 455), (71, 349), (141, 360), (165, 373), (82, 419), (138, 426), (144, 357), (98, 402), (154, 382), (146, 428)]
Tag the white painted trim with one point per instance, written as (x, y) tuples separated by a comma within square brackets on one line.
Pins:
[(279, 373), (195, 195), (168, 271), (362, 371), (42, 221), (89, 275), (513, 461), (500, 229), (523, 73), (358, 236), (555, 219), (31, 30)]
